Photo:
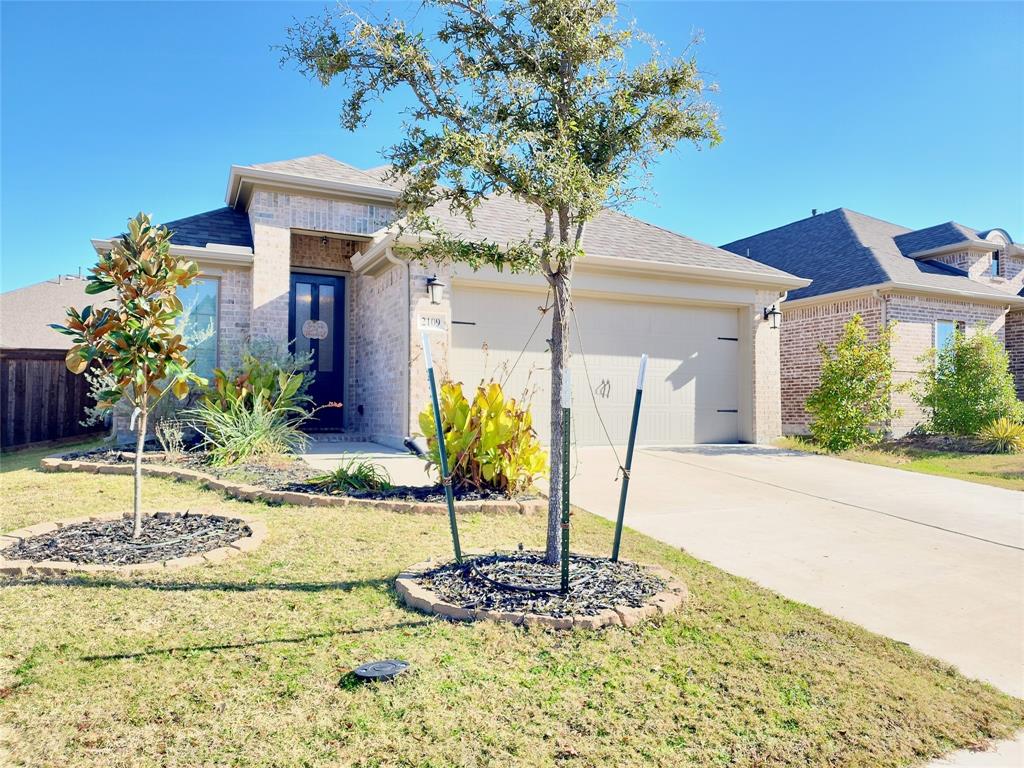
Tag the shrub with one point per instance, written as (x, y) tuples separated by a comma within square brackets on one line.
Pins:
[(242, 429), (853, 401), (356, 475), (967, 384), (170, 433), (490, 440), (262, 374), (1003, 436)]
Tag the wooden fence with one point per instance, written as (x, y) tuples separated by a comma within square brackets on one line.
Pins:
[(40, 399)]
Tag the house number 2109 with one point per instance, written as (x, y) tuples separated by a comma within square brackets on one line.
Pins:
[(604, 389)]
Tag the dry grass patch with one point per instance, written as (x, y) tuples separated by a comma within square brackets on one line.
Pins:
[(239, 664)]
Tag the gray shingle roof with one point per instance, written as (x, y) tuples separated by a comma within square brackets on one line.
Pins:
[(323, 168), (224, 226), (934, 237), (26, 313), (843, 249), (502, 219)]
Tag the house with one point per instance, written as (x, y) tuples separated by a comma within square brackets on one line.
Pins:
[(930, 281), (27, 313), (306, 252)]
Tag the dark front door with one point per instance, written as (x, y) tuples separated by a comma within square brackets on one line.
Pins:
[(316, 323)]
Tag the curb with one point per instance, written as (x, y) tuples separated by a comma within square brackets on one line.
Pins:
[(414, 595), (257, 533), (245, 492)]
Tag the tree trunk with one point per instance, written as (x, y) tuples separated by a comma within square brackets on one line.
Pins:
[(560, 285), (140, 446)]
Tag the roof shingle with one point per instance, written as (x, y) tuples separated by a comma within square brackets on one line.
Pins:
[(223, 226)]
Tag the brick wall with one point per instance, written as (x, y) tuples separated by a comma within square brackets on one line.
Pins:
[(803, 329), (766, 392), (915, 335), (313, 252), (235, 315), (1014, 331)]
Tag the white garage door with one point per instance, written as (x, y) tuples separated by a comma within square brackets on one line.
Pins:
[(691, 393)]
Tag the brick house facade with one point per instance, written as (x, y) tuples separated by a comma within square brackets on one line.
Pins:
[(886, 273), (318, 220)]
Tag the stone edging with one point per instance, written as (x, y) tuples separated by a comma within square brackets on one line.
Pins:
[(255, 493), (258, 532), (418, 597)]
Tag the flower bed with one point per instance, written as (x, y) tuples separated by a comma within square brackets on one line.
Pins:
[(247, 483), (519, 588), (103, 543)]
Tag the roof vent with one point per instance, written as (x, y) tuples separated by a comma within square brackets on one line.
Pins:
[(814, 211)]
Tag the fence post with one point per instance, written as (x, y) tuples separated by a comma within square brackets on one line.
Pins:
[(629, 457), (442, 449)]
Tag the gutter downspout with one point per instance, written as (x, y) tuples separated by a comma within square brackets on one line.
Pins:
[(390, 256)]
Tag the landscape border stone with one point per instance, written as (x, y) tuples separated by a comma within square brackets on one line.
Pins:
[(247, 492), (418, 597), (257, 534)]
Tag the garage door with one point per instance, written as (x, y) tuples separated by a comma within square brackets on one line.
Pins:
[(691, 392)]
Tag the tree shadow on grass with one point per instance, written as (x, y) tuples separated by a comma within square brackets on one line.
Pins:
[(200, 586), (252, 643)]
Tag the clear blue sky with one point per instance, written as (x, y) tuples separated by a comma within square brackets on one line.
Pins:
[(909, 112)]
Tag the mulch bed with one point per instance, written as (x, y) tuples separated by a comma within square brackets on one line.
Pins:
[(109, 542), (425, 493), (595, 584), (292, 474), (952, 443)]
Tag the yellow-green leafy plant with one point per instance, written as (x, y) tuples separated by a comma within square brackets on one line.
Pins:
[(1002, 435), (490, 439)]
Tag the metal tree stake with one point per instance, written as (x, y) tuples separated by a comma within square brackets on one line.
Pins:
[(442, 449), (629, 457), (566, 403)]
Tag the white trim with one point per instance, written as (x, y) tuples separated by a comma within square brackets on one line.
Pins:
[(241, 174), (984, 246), (367, 261), (1009, 300), (213, 253)]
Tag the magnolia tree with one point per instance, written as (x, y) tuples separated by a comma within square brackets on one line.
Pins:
[(542, 100), (134, 341)]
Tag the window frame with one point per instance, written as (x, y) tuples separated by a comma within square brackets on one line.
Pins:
[(995, 267), (216, 280)]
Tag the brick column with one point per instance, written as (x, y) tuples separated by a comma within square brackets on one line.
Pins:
[(766, 388)]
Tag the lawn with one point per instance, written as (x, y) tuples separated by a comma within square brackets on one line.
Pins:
[(999, 469), (239, 664)]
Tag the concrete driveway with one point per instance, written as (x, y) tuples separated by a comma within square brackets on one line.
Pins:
[(933, 562)]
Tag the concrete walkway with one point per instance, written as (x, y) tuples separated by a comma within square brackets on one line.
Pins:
[(930, 561)]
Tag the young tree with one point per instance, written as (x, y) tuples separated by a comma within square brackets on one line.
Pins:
[(852, 403), (135, 343), (967, 384), (536, 99)]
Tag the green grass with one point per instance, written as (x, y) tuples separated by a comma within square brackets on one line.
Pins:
[(998, 469), (239, 664)]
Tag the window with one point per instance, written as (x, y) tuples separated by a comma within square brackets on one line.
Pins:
[(995, 264), (198, 323), (944, 331)]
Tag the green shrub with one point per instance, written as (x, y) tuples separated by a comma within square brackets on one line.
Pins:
[(852, 403), (1003, 436), (490, 440), (240, 430), (967, 384), (356, 474), (264, 372)]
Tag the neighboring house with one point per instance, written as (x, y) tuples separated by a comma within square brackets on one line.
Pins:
[(40, 400), (930, 281), (306, 252)]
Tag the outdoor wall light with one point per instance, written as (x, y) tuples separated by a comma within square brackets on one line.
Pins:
[(325, 241), (772, 314), (436, 289)]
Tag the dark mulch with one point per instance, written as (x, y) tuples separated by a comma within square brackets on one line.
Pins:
[(434, 493), (595, 583), (273, 474), (109, 542), (950, 443)]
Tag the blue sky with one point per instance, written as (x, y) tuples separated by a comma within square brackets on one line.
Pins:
[(909, 112)]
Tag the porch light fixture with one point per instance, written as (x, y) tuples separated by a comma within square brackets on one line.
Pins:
[(436, 289), (772, 314)]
